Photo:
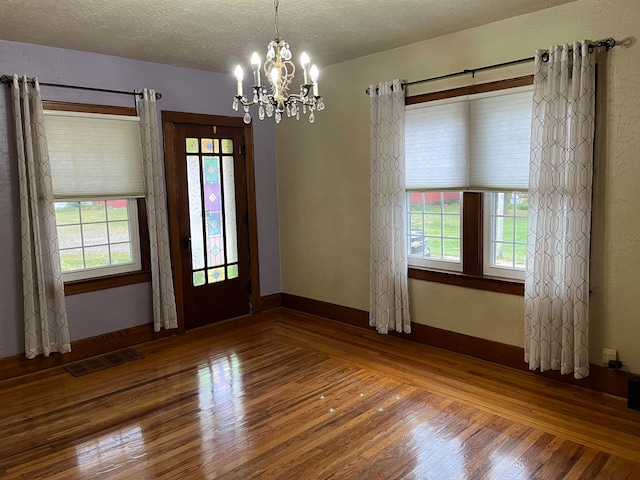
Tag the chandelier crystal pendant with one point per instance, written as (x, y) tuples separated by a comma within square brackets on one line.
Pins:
[(280, 70)]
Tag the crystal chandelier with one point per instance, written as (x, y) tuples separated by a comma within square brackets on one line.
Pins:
[(279, 70)]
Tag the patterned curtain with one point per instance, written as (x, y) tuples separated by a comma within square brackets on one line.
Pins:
[(46, 328), (560, 184), (164, 302), (389, 296)]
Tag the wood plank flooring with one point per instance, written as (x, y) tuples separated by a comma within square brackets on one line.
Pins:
[(285, 395)]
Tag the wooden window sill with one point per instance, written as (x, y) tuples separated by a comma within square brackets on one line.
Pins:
[(479, 282), (102, 283)]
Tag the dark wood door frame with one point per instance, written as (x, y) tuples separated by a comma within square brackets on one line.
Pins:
[(169, 120)]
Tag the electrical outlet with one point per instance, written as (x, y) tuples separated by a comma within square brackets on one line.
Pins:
[(609, 354)]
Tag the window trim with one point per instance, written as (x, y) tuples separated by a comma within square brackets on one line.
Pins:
[(472, 275), (477, 282), (121, 279), (471, 90)]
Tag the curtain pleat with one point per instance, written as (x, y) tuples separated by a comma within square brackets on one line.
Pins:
[(560, 186), (389, 296), (164, 303), (45, 314)]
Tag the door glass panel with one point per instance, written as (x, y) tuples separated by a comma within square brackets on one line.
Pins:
[(192, 145), (215, 275), (214, 224), (198, 279), (232, 271), (207, 145), (195, 211), (230, 207), (212, 210), (215, 251), (227, 146)]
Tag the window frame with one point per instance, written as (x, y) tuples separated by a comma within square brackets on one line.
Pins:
[(473, 218), (116, 268), (494, 270), (143, 273), (435, 263)]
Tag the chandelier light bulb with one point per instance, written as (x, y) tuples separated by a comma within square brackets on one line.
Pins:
[(255, 64), (315, 73), (239, 75), (274, 80), (255, 61), (305, 61)]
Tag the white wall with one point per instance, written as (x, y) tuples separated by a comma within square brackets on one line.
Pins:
[(323, 176)]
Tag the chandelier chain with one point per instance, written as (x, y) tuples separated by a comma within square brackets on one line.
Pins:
[(275, 4)]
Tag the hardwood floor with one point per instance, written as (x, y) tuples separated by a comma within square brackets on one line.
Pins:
[(292, 396)]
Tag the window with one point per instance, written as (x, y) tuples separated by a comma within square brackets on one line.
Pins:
[(467, 152), (97, 237), (506, 241), (435, 228), (96, 171)]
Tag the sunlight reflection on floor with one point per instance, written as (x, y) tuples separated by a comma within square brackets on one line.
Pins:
[(106, 453), (221, 402)]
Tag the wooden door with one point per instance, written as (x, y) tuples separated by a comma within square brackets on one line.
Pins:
[(211, 216)]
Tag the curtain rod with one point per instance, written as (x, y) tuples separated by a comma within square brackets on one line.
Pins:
[(7, 80), (608, 44)]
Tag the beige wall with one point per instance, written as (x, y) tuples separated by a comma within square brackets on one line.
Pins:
[(323, 175)]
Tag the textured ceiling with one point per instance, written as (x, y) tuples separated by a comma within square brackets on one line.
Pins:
[(216, 34)]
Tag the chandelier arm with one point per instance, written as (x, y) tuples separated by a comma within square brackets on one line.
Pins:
[(291, 98), (309, 100), (244, 102)]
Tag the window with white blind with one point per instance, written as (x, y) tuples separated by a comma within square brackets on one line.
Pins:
[(469, 149), (97, 178), (94, 155)]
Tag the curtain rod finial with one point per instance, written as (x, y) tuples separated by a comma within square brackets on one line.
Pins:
[(626, 42)]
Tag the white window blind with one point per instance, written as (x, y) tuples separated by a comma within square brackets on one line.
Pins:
[(94, 155), (500, 142), (437, 146), (480, 142)]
